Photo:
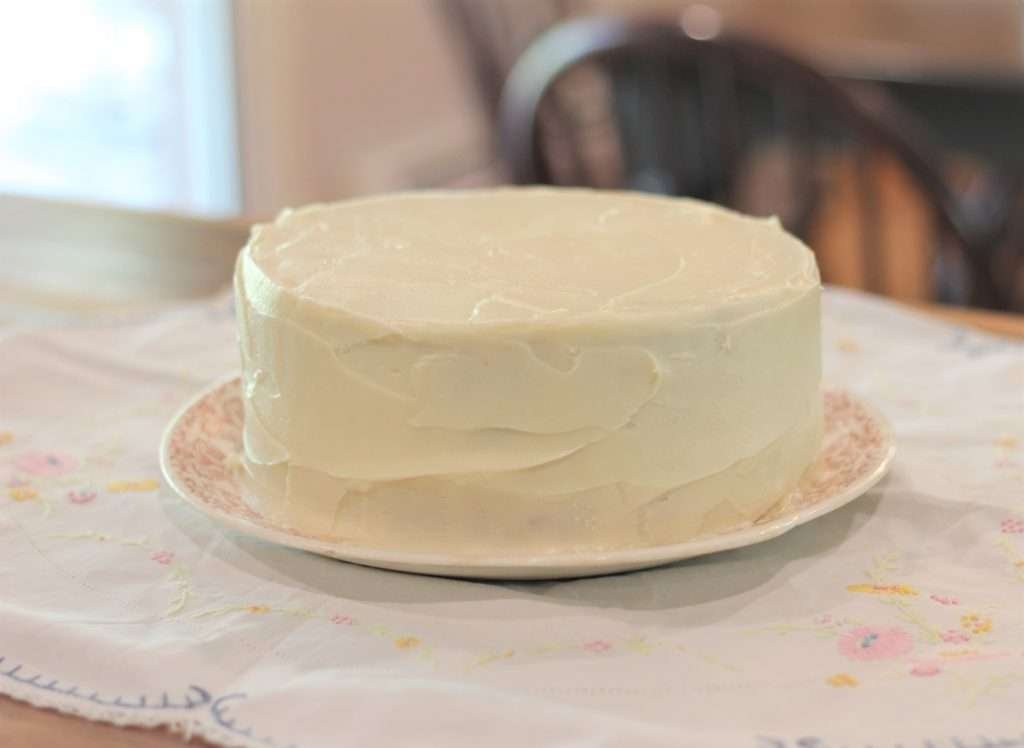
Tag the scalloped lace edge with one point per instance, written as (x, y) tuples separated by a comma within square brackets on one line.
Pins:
[(186, 728)]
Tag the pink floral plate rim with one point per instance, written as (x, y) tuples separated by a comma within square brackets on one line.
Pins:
[(199, 461)]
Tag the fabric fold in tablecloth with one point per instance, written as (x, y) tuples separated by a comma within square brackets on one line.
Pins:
[(898, 619)]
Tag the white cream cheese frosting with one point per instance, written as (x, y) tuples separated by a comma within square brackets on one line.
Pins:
[(526, 369)]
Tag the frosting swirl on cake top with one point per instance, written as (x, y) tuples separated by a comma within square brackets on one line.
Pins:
[(467, 258)]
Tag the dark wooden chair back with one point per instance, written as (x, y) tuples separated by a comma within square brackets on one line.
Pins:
[(616, 103)]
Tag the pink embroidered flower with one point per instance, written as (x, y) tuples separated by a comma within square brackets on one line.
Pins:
[(830, 621), (955, 637), (1011, 525), (598, 645), (341, 619), (163, 557), (925, 669), (46, 463), (81, 497), (874, 643), (944, 600)]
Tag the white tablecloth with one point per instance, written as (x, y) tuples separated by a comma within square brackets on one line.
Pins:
[(896, 620)]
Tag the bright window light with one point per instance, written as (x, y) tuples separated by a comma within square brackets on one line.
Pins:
[(120, 101)]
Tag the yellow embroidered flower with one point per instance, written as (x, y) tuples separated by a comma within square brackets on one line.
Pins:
[(23, 493), (640, 645), (494, 657), (133, 486), (883, 589), (958, 653), (975, 623), (842, 680), (1007, 442), (258, 608), (6, 437), (848, 345), (407, 642)]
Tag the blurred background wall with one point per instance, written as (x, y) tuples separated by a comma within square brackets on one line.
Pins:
[(238, 108), (244, 106)]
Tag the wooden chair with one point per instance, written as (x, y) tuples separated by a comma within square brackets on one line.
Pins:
[(494, 33), (617, 103)]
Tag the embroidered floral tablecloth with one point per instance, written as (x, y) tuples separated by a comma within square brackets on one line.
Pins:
[(897, 620)]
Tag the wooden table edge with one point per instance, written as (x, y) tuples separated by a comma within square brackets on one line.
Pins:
[(997, 323)]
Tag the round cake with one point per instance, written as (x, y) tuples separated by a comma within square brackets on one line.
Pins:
[(525, 370)]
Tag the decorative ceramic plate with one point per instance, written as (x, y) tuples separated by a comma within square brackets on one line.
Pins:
[(200, 453)]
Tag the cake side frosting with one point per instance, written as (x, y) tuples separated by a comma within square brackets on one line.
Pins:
[(526, 369)]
